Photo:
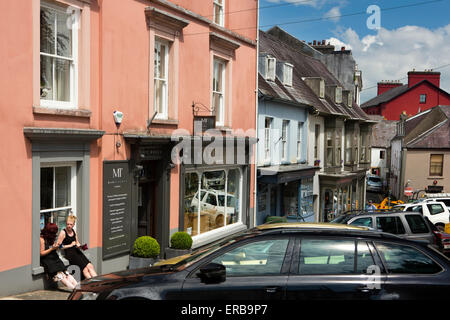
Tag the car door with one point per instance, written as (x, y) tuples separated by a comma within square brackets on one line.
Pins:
[(412, 273), (255, 269), (333, 268)]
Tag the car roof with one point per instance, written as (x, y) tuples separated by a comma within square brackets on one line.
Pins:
[(308, 226)]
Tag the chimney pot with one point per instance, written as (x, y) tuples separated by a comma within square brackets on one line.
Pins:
[(343, 49), (314, 42)]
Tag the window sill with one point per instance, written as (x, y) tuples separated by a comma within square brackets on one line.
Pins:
[(171, 122), (435, 178), (223, 128), (81, 113)]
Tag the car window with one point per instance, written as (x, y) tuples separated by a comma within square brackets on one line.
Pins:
[(435, 208), (362, 222), (255, 258), (417, 209), (390, 225), (364, 258), (416, 223), (404, 259), (327, 256), (446, 201), (211, 199)]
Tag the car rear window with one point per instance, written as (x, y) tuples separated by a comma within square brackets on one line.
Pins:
[(435, 208), (416, 223), (390, 225)]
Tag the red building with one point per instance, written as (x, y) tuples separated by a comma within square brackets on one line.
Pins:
[(422, 92)]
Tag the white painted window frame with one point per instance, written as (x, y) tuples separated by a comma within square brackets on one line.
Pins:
[(164, 115)]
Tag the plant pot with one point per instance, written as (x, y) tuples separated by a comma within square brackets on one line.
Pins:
[(172, 253), (138, 262)]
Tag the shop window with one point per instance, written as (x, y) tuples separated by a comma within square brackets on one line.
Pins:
[(57, 194), (58, 57), (212, 199)]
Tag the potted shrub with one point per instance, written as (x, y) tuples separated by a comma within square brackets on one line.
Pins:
[(180, 244), (145, 252)]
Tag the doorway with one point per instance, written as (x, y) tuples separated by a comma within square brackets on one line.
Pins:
[(147, 218)]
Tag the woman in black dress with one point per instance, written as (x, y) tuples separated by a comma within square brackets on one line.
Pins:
[(72, 249), (50, 260)]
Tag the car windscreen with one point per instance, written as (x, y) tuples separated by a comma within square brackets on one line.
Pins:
[(374, 179)]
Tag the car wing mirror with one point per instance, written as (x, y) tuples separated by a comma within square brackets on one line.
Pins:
[(212, 273)]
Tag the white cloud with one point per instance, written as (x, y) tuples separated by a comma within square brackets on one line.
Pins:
[(390, 54), (334, 14)]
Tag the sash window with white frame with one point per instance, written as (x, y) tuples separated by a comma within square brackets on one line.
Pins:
[(57, 193), (58, 56), (267, 138), (219, 10), (299, 140), (218, 94), (284, 137), (161, 77)]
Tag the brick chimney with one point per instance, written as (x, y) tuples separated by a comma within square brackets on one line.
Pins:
[(415, 77), (384, 86)]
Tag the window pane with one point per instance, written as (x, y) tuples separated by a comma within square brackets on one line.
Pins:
[(435, 208), (416, 223), (390, 225), (64, 37), (160, 96), (233, 196), (191, 203), (362, 222), (47, 30), (46, 78), (255, 259), (403, 259), (364, 259), (328, 256), (46, 188), (62, 186), (62, 79)]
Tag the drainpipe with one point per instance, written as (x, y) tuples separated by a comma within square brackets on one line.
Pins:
[(256, 118)]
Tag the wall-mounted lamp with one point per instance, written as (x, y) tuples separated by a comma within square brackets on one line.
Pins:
[(118, 117)]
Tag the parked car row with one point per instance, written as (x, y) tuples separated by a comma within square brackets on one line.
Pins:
[(295, 261)]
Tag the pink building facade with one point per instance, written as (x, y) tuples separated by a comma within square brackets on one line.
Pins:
[(95, 96)]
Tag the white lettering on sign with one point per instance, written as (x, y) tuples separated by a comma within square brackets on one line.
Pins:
[(117, 173)]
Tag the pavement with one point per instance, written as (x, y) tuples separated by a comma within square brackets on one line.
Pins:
[(56, 294)]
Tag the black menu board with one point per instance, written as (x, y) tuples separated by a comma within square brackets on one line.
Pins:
[(117, 182)]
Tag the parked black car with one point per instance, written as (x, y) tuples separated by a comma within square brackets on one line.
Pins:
[(288, 261)]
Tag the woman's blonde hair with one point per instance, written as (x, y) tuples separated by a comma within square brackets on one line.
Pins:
[(71, 217)]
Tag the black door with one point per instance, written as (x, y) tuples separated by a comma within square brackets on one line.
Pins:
[(328, 268), (254, 270)]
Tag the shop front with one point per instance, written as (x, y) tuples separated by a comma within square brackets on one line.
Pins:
[(215, 198), (286, 191), (341, 193)]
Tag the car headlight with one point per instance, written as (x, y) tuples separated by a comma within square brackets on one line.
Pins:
[(89, 296)]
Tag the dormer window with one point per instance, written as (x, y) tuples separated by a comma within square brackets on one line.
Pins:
[(271, 68), (322, 89), (338, 95), (287, 74)]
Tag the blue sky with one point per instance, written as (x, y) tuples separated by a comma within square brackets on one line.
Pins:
[(412, 34)]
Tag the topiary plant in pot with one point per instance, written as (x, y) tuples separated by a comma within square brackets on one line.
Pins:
[(145, 252), (180, 244)]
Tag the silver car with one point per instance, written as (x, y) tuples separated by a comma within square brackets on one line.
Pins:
[(407, 225), (374, 183)]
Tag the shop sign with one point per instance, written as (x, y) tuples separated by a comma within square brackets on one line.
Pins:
[(117, 182), (204, 123)]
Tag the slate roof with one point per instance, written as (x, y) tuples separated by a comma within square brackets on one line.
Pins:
[(383, 132), (429, 130), (300, 93)]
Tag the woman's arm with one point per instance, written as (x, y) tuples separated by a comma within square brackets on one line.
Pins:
[(61, 237), (43, 251)]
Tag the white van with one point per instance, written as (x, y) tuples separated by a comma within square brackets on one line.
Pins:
[(214, 199), (440, 197), (436, 212)]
